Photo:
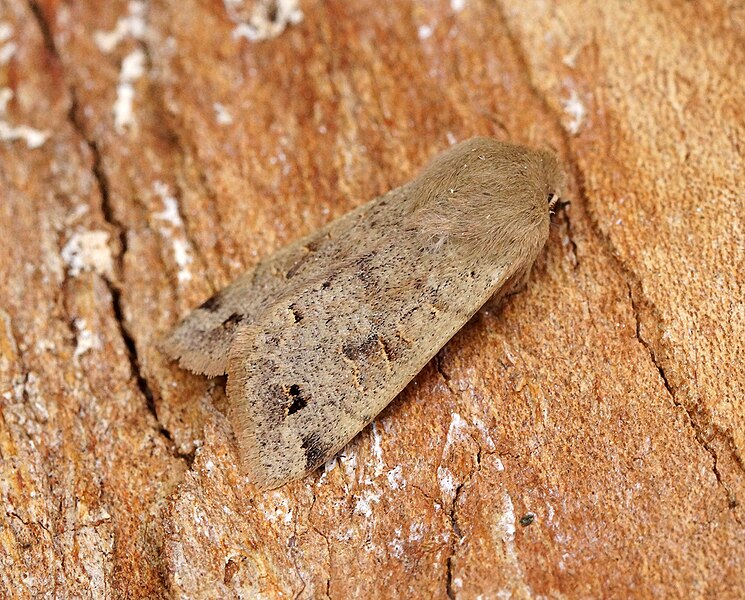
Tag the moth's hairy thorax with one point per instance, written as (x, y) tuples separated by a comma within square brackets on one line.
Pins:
[(487, 200)]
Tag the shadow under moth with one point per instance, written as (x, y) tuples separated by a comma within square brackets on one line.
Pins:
[(320, 336)]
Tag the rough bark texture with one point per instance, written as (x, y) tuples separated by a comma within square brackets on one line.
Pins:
[(168, 154)]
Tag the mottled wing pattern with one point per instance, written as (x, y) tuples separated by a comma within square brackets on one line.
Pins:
[(318, 366), (202, 340)]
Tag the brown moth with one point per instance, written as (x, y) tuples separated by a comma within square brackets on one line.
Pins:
[(319, 337)]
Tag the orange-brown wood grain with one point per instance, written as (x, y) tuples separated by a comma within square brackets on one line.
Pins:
[(148, 155)]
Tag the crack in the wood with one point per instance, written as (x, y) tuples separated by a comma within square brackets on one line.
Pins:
[(110, 217), (627, 275), (732, 502), (46, 32), (295, 565), (457, 537), (11, 513), (326, 539), (457, 533), (453, 509), (328, 554), (435, 501)]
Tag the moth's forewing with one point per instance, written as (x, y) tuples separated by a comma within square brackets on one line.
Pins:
[(311, 372)]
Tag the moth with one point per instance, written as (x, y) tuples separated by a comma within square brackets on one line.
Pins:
[(320, 336)]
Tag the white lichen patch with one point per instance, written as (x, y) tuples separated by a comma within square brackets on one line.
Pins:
[(281, 511), (425, 32), (504, 526), (133, 25), (348, 459), (484, 430), (133, 67), (88, 251), (457, 426), (377, 450), (173, 229), (570, 58), (447, 482), (170, 213), (182, 256), (395, 478), (576, 112), (86, 339), (416, 532), (34, 138), (6, 31), (222, 116), (6, 95), (396, 545), (503, 532), (364, 503), (7, 51), (7, 46), (268, 19)]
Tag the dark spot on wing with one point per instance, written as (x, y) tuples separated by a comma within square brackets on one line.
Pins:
[(359, 351), (310, 248), (326, 285), (275, 402), (294, 269), (297, 315), (315, 450), (233, 320), (298, 401), (212, 304), (315, 245), (390, 351)]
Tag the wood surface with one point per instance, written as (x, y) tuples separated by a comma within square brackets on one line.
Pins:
[(150, 152)]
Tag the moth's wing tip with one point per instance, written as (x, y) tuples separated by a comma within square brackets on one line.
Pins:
[(175, 345), (256, 462), (170, 345)]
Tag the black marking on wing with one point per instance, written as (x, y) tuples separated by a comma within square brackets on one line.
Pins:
[(212, 304), (315, 450), (359, 351), (233, 320), (390, 351), (298, 401), (296, 314)]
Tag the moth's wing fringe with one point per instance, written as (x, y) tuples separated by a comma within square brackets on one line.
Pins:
[(243, 421)]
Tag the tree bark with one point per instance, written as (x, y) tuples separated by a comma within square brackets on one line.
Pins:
[(587, 439)]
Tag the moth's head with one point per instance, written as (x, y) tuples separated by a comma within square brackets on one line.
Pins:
[(489, 197)]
